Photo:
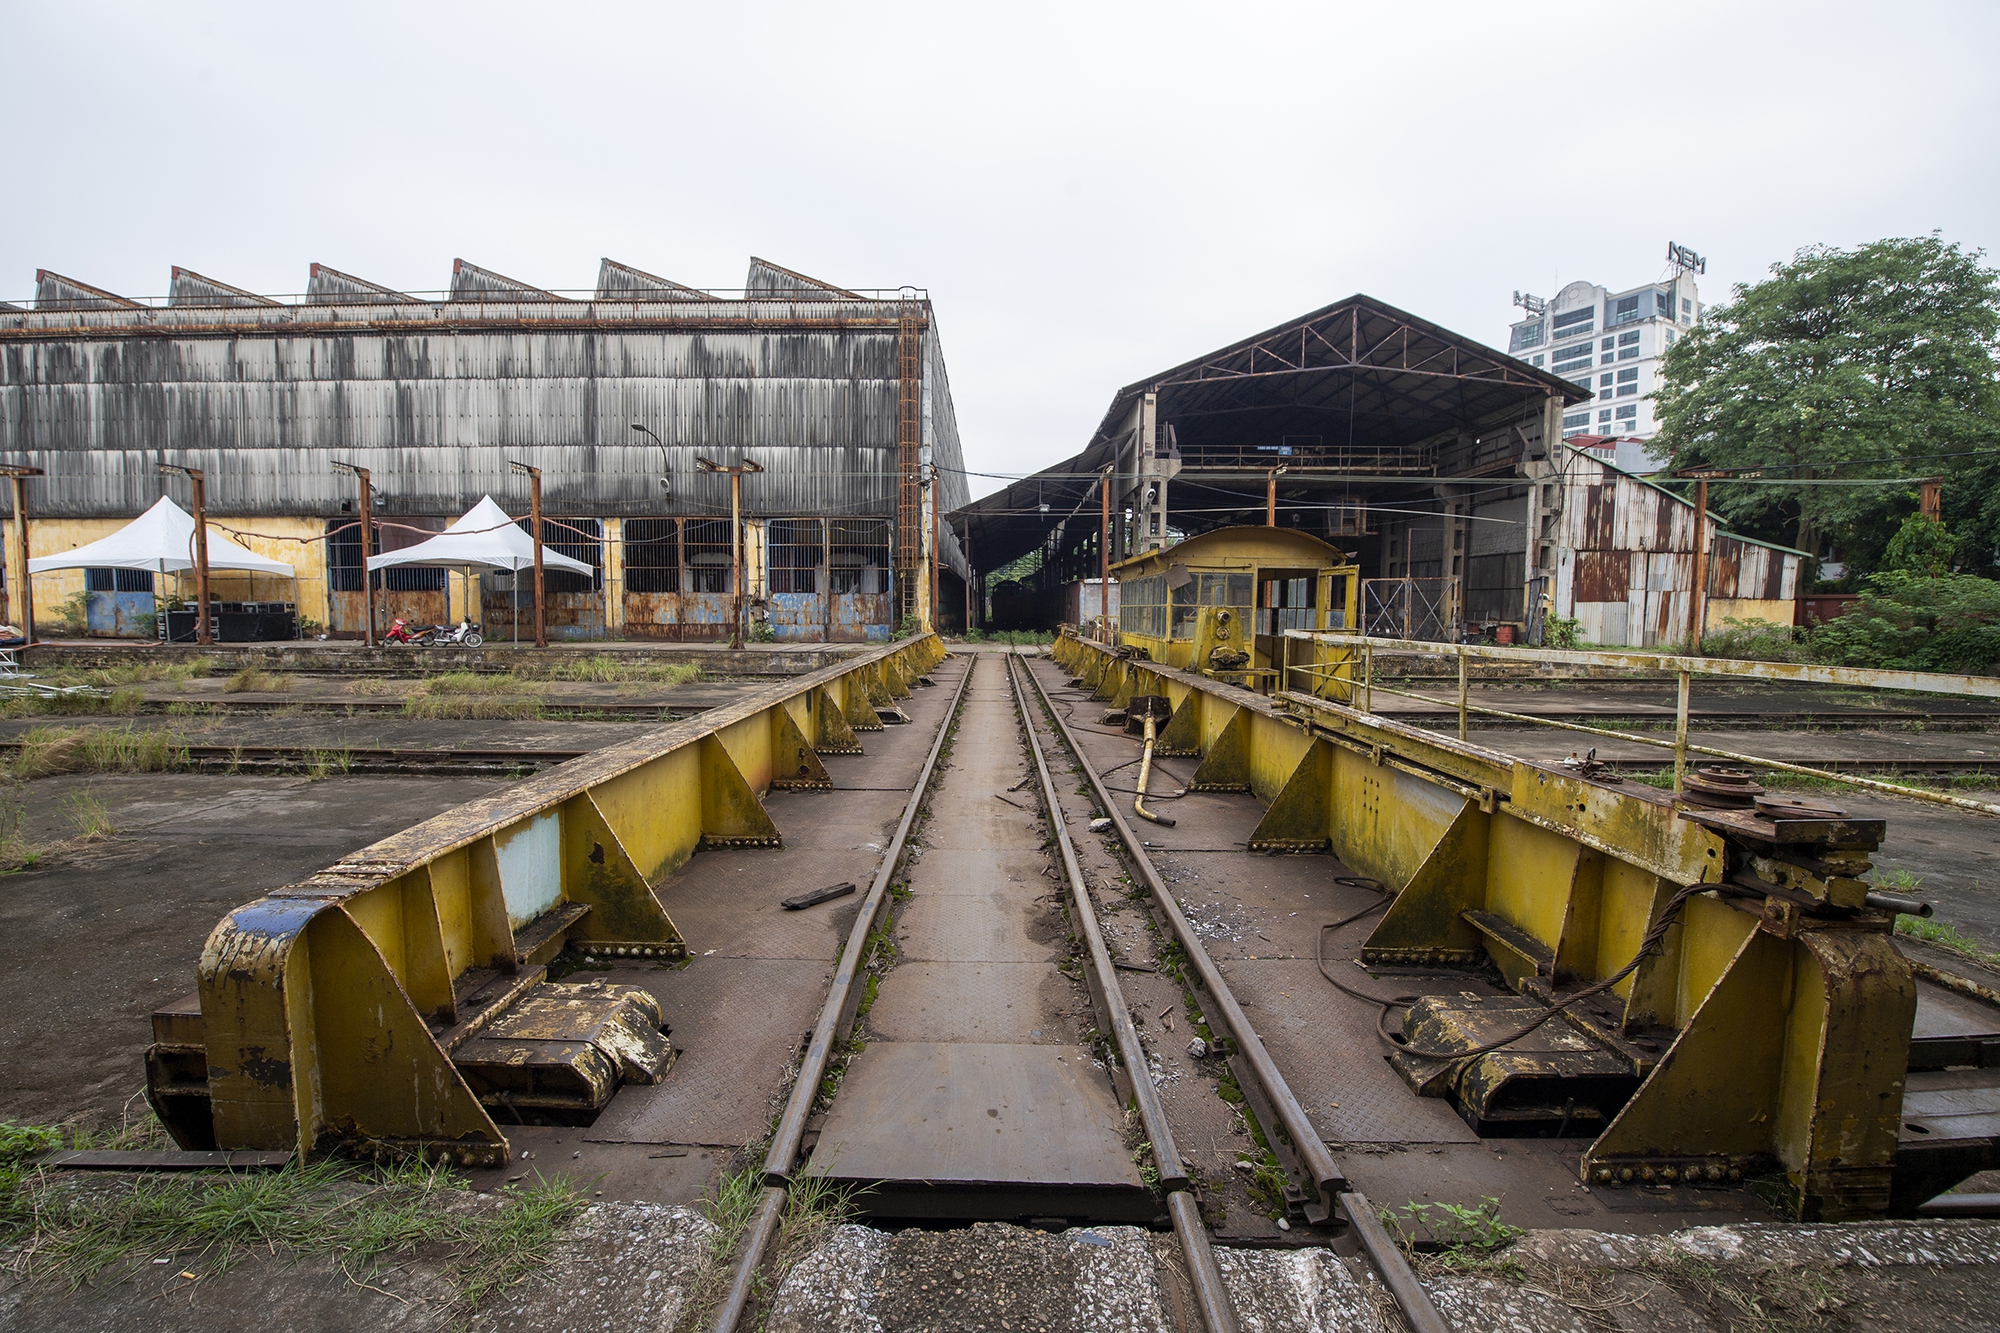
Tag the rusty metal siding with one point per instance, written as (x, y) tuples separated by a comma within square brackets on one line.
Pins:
[(1626, 560)]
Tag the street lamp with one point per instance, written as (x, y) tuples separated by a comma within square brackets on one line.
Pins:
[(666, 459), (194, 475), (735, 530)]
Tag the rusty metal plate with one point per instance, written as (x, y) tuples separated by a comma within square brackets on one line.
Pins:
[(969, 1119), (972, 1002), (1326, 1045)]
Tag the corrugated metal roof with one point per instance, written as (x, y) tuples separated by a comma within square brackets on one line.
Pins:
[(191, 288), (329, 286), (622, 282), (55, 292), (469, 282), (768, 279)]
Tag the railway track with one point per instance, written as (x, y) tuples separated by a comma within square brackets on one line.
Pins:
[(1008, 710)]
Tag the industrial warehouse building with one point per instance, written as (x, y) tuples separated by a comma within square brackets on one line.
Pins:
[(840, 396), (1436, 462)]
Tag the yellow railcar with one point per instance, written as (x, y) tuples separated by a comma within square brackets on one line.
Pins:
[(1219, 603)]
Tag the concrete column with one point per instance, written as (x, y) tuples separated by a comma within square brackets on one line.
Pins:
[(614, 576)]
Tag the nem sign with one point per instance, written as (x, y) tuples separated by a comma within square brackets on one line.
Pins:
[(1685, 259)]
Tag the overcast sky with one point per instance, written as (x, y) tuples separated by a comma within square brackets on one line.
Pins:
[(1091, 193)]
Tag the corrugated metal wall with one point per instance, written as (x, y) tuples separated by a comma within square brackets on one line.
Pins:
[(437, 414), (1625, 565)]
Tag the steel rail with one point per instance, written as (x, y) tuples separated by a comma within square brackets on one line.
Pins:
[(1329, 1180), (841, 998), (1204, 1275)]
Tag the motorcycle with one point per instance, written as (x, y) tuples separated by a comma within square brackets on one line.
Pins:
[(462, 635), (399, 632)]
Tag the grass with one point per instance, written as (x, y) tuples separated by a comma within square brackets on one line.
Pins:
[(48, 750), (136, 673), (609, 668), (471, 694), (88, 817), (1018, 638), (321, 763), (61, 1230), (256, 680)]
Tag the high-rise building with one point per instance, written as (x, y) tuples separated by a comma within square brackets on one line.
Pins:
[(1611, 343)]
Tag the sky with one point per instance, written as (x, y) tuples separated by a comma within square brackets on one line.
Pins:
[(1089, 192)]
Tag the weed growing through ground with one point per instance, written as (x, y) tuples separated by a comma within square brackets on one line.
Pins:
[(46, 750), (256, 680), (471, 694), (67, 1231), (609, 668), (87, 815)]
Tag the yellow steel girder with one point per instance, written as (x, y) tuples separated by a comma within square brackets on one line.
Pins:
[(329, 1008), (1786, 1034)]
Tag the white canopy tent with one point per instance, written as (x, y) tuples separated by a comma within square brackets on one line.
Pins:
[(159, 541), (486, 538)]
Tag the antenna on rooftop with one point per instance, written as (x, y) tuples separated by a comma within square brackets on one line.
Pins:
[(1685, 261), (1534, 305)]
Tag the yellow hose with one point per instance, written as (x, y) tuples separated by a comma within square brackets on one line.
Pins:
[(1145, 775)]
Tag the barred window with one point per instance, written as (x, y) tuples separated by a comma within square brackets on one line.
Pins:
[(857, 556), (652, 551), (579, 539), (118, 580), (710, 550), (796, 551)]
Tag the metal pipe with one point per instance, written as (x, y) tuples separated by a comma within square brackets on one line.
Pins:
[(1914, 793), (1681, 730), (1328, 1178), (1797, 673), (1464, 689), (1388, 1258), (784, 1151), (1145, 776), (1961, 1205), (1896, 902)]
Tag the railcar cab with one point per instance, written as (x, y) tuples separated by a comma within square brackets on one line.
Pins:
[(1218, 603)]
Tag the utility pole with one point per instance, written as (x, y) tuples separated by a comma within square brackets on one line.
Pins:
[(735, 531), (1932, 491), (1271, 496), (937, 573), (367, 549), (19, 476), (534, 476), (194, 475), (1104, 551), (1698, 604)]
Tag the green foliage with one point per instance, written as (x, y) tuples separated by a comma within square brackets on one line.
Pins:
[(1908, 622), (762, 631), (72, 615), (1903, 622), (1561, 632), (207, 1221), (1453, 1227), (1922, 546), (1840, 358)]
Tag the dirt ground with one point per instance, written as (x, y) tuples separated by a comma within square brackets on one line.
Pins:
[(97, 938)]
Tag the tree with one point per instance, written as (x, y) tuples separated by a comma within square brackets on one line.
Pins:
[(1877, 362), (1922, 546)]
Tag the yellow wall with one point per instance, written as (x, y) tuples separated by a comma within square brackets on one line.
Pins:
[(265, 536), (1721, 610)]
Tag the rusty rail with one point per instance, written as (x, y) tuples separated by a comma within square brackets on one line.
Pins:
[(1204, 1275), (834, 1015)]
